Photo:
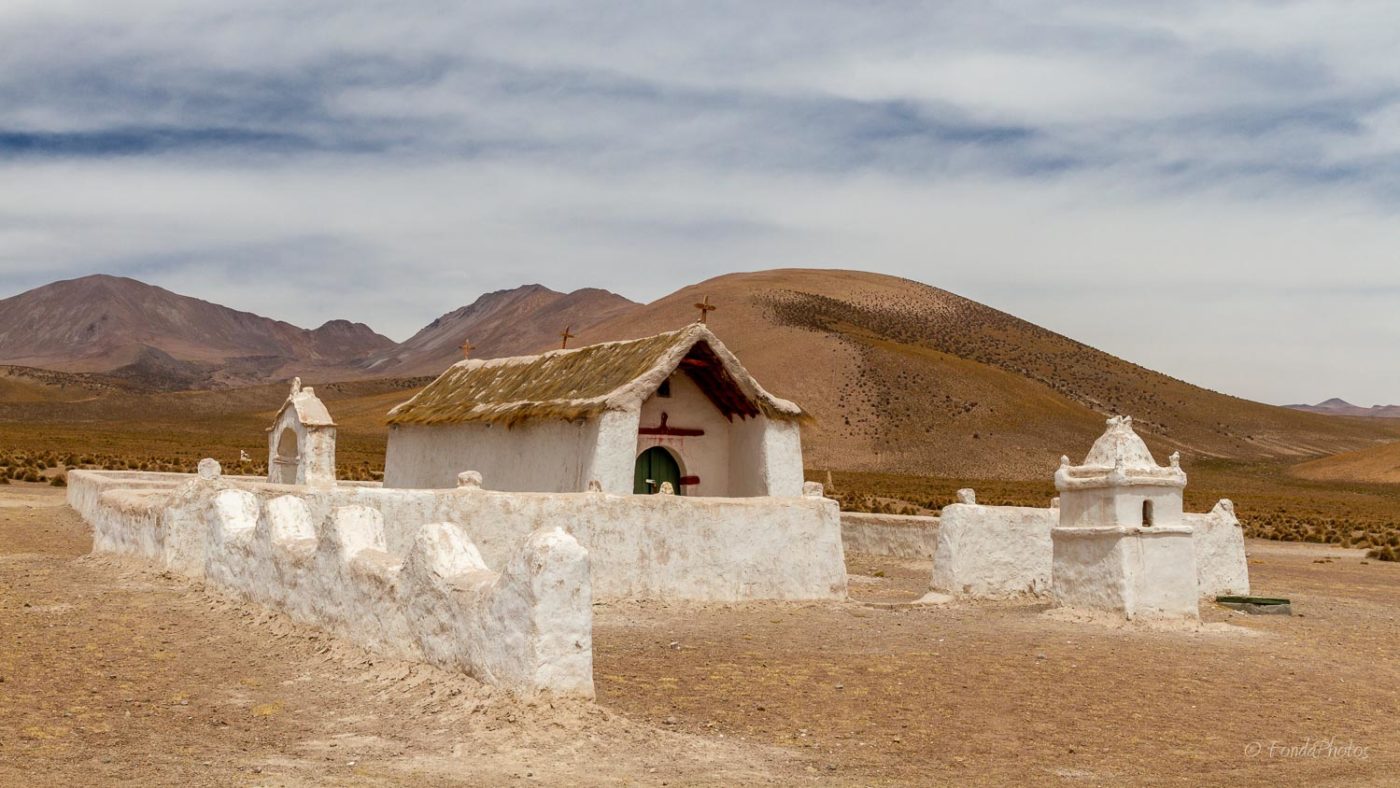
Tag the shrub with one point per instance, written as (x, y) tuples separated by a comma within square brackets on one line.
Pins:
[(1386, 553), (58, 481)]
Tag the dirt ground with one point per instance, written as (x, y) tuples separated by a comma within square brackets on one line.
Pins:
[(112, 672)]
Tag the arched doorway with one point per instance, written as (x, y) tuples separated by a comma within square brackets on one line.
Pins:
[(288, 457), (655, 466)]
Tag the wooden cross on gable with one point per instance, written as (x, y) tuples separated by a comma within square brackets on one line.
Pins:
[(467, 349), (565, 337), (705, 308)]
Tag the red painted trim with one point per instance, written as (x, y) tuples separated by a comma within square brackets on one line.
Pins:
[(665, 429), (669, 431), (690, 480)]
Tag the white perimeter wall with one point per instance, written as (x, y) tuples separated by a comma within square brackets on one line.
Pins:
[(897, 536), (993, 550), (1002, 550), (640, 546), (1221, 565), (526, 627)]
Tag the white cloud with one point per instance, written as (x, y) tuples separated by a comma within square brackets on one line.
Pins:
[(1204, 188)]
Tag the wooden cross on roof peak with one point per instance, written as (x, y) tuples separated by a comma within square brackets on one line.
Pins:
[(565, 336), (467, 348), (705, 308)]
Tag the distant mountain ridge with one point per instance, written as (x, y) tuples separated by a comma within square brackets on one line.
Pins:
[(1340, 407), (899, 375), (152, 338), (147, 334), (525, 319)]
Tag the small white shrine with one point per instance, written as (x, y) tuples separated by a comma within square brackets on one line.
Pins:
[(301, 440), (1122, 545)]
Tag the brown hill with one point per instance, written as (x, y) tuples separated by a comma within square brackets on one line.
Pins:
[(1340, 407), (909, 378), (29, 385), (506, 322), (154, 337), (1374, 464)]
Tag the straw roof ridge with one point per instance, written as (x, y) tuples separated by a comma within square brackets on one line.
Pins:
[(574, 383)]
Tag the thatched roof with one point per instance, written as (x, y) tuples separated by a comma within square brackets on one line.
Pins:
[(566, 385)]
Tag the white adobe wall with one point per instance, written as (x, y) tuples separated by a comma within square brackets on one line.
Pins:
[(767, 457), (546, 456), (527, 628), (1130, 572), (1221, 565), (640, 546), (897, 536), (781, 456), (993, 551), (613, 460)]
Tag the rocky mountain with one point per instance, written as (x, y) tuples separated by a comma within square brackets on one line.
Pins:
[(1340, 407), (507, 322), (148, 335), (906, 377)]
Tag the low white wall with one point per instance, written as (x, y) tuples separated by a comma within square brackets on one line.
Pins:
[(993, 551), (640, 546), (648, 546), (1221, 565), (897, 536), (527, 628), (1003, 550)]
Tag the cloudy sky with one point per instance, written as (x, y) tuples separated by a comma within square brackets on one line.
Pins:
[(1211, 189)]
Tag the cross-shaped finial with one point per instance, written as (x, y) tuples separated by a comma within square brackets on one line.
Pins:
[(705, 308), (467, 349), (565, 337)]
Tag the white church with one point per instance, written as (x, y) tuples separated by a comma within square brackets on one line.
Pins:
[(675, 412)]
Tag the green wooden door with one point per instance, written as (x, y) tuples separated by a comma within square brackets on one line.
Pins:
[(654, 466)]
